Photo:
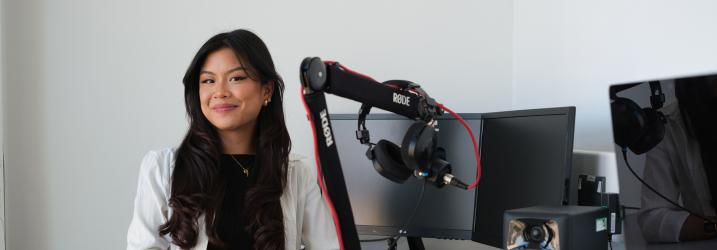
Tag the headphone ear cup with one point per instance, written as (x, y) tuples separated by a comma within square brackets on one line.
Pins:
[(419, 145), (388, 163), (653, 132), (628, 121)]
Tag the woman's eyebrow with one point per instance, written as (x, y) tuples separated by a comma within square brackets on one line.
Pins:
[(230, 71), (236, 69)]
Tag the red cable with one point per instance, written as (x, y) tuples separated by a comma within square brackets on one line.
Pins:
[(318, 171), (475, 144), (318, 164)]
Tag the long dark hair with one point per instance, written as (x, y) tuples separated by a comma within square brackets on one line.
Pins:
[(197, 188), (698, 107)]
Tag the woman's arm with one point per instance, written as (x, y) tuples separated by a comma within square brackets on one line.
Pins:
[(150, 206), (318, 230), (659, 220)]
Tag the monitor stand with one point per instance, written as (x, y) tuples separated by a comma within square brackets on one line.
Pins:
[(414, 243)]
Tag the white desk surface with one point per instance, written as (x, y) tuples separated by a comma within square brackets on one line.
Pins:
[(632, 240)]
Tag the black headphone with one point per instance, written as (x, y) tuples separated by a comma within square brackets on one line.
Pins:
[(639, 129), (417, 151)]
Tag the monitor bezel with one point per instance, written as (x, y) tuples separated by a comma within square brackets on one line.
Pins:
[(570, 127)]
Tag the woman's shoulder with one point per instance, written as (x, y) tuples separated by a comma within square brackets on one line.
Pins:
[(671, 110), (158, 164), (299, 169), (296, 163), (296, 158), (674, 123)]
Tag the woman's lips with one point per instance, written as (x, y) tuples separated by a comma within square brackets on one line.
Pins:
[(221, 108)]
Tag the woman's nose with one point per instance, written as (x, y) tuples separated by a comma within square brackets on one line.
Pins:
[(222, 89)]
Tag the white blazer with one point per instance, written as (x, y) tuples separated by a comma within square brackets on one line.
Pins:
[(674, 168), (307, 220)]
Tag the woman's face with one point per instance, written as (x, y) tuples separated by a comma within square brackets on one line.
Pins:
[(229, 98)]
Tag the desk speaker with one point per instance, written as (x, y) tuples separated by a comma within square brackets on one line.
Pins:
[(556, 228)]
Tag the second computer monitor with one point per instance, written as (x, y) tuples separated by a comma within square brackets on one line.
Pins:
[(527, 158)]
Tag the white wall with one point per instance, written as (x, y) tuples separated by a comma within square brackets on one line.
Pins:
[(2, 127), (569, 52), (579, 48), (93, 85)]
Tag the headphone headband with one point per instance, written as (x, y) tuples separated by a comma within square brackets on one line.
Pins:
[(362, 133), (657, 98)]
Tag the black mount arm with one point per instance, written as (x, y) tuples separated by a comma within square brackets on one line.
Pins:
[(317, 78)]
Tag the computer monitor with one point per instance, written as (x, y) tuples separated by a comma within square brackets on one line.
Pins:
[(528, 149), (382, 207), (666, 127), (527, 158)]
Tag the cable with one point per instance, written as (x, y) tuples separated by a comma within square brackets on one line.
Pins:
[(473, 140), (624, 156), (408, 222)]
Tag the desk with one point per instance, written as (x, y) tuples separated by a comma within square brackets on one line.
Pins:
[(633, 240), (431, 244)]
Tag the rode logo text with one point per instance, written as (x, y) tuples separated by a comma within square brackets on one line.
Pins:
[(401, 99), (325, 127)]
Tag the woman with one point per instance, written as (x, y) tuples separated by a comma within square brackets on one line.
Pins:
[(684, 166), (231, 184)]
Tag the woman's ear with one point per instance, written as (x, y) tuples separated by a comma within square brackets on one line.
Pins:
[(268, 90)]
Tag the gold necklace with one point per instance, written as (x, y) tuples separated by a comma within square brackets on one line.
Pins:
[(245, 170)]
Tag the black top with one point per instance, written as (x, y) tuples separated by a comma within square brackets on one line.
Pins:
[(232, 222)]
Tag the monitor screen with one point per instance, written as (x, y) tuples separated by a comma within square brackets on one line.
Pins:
[(527, 157), (667, 130)]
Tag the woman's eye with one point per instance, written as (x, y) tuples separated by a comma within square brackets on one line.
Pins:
[(207, 81), (237, 78)]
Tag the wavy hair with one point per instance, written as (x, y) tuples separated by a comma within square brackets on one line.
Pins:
[(197, 187)]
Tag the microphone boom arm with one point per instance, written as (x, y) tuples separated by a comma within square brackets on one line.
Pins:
[(318, 78)]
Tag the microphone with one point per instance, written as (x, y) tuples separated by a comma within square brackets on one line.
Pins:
[(440, 174), (453, 181)]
